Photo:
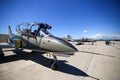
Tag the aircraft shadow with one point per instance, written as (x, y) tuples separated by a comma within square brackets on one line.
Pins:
[(44, 61)]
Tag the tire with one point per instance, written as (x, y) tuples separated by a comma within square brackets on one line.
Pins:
[(54, 66), (1, 55)]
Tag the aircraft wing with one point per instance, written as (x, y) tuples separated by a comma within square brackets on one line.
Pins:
[(5, 45)]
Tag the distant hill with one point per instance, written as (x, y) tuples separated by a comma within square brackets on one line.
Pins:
[(3, 37)]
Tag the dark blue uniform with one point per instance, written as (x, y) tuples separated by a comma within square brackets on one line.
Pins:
[(43, 27)]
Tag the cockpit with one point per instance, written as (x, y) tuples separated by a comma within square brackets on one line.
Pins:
[(31, 29)]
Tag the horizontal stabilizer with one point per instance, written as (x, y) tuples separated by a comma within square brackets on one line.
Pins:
[(5, 45)]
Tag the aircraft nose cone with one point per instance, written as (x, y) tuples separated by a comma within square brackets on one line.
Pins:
[(68, 47), (65, 46)]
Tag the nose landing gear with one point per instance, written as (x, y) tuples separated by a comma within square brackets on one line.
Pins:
[(53, 64)]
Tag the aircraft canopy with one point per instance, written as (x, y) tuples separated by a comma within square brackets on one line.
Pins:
[(30, 29)]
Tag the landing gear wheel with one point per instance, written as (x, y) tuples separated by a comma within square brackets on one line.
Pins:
[(1, 55), (34, 52), (16, 50), (54, 65)]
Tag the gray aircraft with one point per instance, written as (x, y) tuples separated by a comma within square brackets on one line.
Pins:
[(43, 41), (79, 41)]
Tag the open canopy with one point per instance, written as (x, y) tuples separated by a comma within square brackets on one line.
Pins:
[(30, 29)]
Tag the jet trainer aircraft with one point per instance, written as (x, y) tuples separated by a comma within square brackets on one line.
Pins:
[(42, 42)]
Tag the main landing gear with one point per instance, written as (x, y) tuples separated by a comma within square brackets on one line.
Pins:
[(1, 54)]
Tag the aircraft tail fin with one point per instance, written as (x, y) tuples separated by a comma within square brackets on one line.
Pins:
[(69, 38), (10, 31)]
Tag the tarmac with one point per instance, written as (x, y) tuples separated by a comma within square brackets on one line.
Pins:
[(91, 62)]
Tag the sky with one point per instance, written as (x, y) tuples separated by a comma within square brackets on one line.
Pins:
[(78, 18)]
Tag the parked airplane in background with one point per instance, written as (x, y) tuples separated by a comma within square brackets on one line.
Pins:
[(80, 41), (42, 42)]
